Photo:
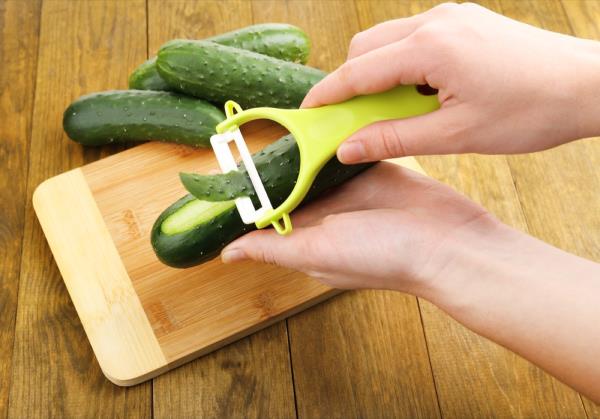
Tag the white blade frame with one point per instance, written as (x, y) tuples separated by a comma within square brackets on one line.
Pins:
[(220, 145)]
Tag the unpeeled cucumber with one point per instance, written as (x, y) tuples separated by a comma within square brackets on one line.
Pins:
[(136, 115), (278, 40), (219, 73)]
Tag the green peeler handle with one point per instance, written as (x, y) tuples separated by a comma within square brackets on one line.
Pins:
[(320, 131)]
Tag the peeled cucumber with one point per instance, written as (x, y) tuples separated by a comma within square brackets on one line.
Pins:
[(193, 231)]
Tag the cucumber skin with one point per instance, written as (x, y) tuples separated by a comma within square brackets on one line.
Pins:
[(205, 241), (218, 188), (139, 115), (198, 245), (278, 40), (219, 73), (146, 77)]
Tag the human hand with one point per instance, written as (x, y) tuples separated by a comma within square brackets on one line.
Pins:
[(504, 86), (387, 228), (393, 228)]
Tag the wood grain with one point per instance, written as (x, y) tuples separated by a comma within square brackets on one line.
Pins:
[(560, 188), (497, 380), (87, 46), (84, 47), (99, 285), (249, 378), (361, 354), (261, 361), (192, 311), (19, 29)]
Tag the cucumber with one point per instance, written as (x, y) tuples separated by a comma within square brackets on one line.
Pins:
[(193, 231), (134, 115), (146, 77), (215, 188), (277, 40), (218, 73)]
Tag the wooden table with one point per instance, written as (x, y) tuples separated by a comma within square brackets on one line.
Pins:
[(362, 354)]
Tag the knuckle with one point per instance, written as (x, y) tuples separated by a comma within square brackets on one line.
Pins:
[(266, 256), (446, 39), (429, 33), (356, 41), (346, 77), (471, 5), (311, 255), (390, 144), (445, 8)]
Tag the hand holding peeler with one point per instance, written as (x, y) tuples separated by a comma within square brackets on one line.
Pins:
[(318, 133)]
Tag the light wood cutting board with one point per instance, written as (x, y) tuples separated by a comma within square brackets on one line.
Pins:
[(143, 318)]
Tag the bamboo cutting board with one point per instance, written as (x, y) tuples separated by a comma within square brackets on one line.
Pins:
[(141, 317)]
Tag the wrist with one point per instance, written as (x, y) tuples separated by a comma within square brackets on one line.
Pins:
[(505, 272), (476, 251), (584, 86)]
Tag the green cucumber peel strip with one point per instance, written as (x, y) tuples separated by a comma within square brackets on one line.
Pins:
[(216, 188)]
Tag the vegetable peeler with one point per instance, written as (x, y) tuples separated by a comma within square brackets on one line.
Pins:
[(318, 133)]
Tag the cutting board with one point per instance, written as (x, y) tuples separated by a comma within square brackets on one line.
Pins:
[(141, 317)]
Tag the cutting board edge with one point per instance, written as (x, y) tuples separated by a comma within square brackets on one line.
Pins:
[(126, 347)]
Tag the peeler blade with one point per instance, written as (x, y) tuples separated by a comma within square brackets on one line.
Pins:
[(245, 207)]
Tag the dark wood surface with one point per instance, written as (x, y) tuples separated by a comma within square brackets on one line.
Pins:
[(362, 354)]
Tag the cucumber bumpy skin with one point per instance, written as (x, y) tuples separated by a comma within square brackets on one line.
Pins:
[(140, 115), (215, 188), (190, 232), (278, 40), (218, 73), (146, 77)]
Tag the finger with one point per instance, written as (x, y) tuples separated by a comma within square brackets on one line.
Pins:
[(351, 196), (438, 132), (376, 71), (383, 34), (295, 251), (395, 30), (375, 188)]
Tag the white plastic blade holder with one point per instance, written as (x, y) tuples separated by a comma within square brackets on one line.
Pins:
[(220, 145)]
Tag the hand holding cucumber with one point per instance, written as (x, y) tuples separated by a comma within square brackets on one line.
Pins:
[(505, 87)]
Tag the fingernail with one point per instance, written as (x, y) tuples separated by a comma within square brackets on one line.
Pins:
[(233, 255), (351, 152)]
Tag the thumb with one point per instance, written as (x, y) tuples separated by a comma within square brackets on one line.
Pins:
[(433, 133), (295, 251)]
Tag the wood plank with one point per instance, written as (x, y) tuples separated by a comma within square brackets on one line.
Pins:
[(98, 283), (498, 382), (569, 172), (361, 354), (19, 30), (252, 375), (249, 378), (84, 47)]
